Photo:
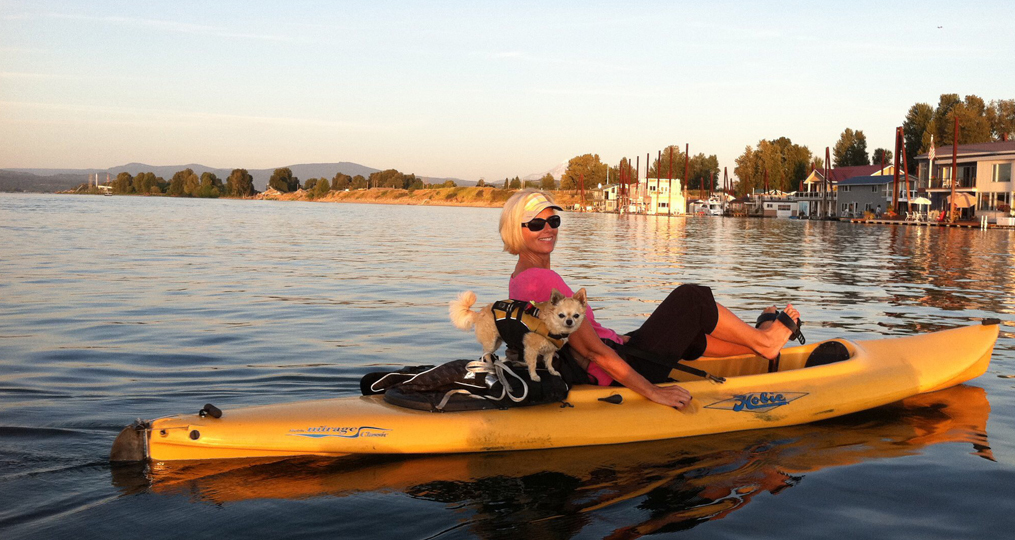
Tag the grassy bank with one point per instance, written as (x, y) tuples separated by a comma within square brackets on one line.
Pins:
[(456, 196)]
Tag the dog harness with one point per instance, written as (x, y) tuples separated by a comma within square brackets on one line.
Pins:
[(515, 318)]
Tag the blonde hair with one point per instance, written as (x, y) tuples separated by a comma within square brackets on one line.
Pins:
[(511, 219)]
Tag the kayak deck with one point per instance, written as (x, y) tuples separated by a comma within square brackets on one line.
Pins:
[(878, 372)]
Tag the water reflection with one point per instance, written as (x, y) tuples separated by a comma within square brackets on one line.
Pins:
[(674, 484)]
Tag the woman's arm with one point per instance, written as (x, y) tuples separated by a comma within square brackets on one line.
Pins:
[(587, 343)]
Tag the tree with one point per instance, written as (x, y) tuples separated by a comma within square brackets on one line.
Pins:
[(309, 184), (124, 183), (787, 164), (359, 182), (882, 155), (703, 172), (662, 168), (176, 185), (481, 183), (449, 183), (507, 183), (586, 166), (240, 183), (149, 184), (548, 182), (516, 183), (851, 149), (211, 186), (283, 180), (1001, 116), (191, 183), (322, 188), (916, 132), (185, 183), (341, 182)]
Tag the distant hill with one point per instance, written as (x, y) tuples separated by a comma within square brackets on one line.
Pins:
[(22, 179)]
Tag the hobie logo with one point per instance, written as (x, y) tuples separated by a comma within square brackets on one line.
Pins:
[(346, 432), (756, 402)]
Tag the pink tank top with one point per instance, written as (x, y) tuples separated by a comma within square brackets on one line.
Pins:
[(536, 285)]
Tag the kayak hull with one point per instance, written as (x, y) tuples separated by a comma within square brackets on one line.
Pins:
[(878, 372)]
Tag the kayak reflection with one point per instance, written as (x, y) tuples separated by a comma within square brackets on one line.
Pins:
[(676, 483)]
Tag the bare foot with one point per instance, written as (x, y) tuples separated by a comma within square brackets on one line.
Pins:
[(776, 335)]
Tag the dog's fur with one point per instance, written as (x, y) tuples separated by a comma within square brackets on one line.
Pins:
[(561, 315)]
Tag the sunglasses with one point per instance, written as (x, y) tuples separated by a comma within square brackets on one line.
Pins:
[(538, 224)]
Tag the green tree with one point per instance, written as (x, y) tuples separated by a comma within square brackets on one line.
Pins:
[(1001, 116), (785, 163), (359, 182), (481, 183), (703, 171), (916, 130), (283, 180), (516, 183), (449, 183), (662, 168), (882, 155), (974, 127), (851, 149), (123, 184), (211, 186), (191, 183), (176, 185), (185, 183), (309, 184), (341, 182), (587, 166), (548, 183), (149, 184), (240, 183), (507, 183), (322, 188)]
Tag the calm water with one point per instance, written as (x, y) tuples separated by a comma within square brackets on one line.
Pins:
[(113, 308)]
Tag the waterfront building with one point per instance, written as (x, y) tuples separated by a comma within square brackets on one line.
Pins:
[(810, 196), (652, 196), (854, 196), (984, 172)]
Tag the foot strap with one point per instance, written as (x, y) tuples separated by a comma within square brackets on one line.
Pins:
[(794, 327)]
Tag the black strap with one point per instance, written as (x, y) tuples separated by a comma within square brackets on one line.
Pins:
[(665, 361)]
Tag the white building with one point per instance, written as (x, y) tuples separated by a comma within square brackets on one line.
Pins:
[(658, 196)]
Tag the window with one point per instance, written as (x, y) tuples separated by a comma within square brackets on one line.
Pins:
[(1000, 201), (664, 205), (785, 207), (1001, 172)]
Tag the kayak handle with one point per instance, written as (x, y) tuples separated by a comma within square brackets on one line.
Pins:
[(615, 399), (210, 410)]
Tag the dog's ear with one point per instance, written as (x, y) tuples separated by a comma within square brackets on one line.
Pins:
[(556, 297), (580, 296)]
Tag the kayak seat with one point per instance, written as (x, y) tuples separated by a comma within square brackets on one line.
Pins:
[(828, 352)]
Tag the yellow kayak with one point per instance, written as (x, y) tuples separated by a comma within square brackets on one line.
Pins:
[(876, 373)]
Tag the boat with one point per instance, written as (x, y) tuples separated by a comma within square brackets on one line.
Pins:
[(875, 373)]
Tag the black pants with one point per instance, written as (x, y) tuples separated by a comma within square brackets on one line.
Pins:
[(676, 329)]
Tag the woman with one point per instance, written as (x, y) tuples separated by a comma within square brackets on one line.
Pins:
[(686, 325)]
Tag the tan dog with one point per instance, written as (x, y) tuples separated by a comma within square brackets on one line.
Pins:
[(537, 329)]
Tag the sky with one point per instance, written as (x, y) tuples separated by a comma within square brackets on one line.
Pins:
[(474, 89)]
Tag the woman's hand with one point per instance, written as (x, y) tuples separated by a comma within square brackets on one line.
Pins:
[(587, 343), (672, 396)]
